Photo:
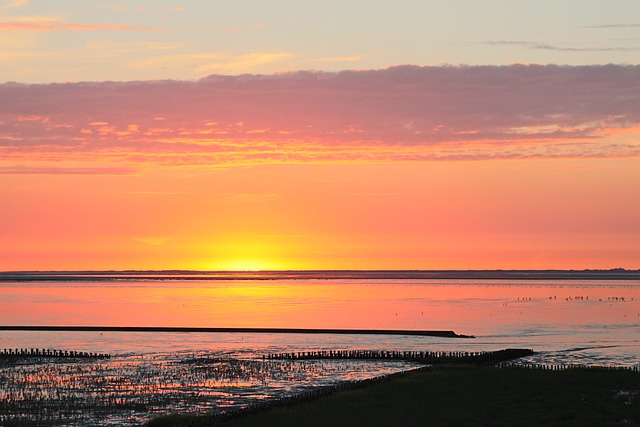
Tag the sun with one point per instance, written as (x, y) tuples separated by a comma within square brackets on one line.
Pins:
[(247, 254), (247, 264)]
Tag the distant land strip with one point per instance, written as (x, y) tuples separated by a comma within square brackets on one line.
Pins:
[(443, 334), (187, 275)]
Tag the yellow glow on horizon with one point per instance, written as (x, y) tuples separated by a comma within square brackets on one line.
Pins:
[(248, 254), (246, 264), (541, 213)]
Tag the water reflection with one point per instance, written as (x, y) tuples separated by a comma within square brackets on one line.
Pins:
[(544, 315), (565, 321), (468, 307)]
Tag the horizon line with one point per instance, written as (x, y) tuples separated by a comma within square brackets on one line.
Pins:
[(348, 270), (218, 275), (331, 269)]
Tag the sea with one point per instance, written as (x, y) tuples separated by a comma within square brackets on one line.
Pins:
[(589, 318)]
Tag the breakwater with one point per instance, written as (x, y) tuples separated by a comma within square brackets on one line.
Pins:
[(23, 353), (426, 357), (426, 333)]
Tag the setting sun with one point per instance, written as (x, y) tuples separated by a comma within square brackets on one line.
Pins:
[(245, 254), (246, 264)]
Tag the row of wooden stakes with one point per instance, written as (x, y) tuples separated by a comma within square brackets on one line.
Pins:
[(45, 352)]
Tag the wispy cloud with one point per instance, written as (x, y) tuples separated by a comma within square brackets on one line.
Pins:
[(545, 46), (213, 62), (121, 46), (242, 63), (39, 24), (15, 4), (613, 26), (399, 113), (339, 59), (187, 59), (242, 28), (65, 170)]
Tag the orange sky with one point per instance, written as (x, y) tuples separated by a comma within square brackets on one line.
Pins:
[(521, 167), (396, 215)]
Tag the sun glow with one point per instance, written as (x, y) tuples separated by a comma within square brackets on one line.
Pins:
[(247, 264), (249, 253)]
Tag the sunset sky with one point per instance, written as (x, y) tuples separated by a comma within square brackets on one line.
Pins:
[(254, 134)]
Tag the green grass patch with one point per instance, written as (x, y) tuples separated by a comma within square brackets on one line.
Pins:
[(467, 396)]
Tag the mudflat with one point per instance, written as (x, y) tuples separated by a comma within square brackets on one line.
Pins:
[(464, 395)]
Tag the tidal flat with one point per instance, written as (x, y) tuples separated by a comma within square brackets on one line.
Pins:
[(569, 322), (128, 390), (462, 395)]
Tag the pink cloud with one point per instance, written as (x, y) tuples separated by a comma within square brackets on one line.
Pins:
[(399, 113)]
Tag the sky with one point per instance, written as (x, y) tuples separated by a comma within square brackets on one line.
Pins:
[(319, 135)]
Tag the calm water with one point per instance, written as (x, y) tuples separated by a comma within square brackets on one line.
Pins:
[(593, 322), (548, 316)]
